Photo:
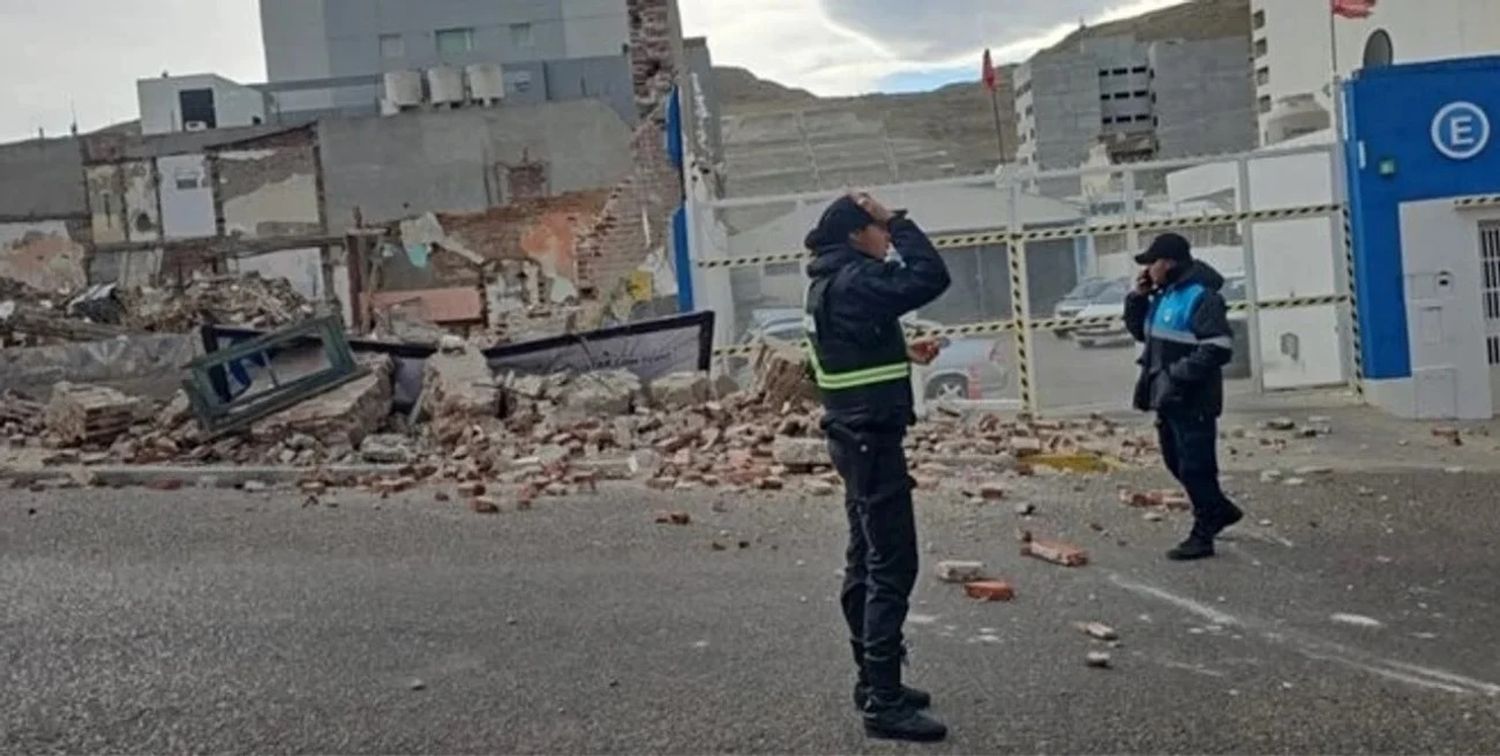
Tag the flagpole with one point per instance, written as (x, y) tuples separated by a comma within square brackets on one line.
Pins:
[(999, 129)]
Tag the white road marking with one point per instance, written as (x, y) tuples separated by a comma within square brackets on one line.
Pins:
[(1358, 620), (1323, 650)]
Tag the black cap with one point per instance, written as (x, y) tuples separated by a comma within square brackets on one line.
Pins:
[(1166, 247), (842, 218)]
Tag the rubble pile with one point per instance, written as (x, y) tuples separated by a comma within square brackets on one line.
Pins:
[(246, 300), (514, 439), (83, 415), (992, 436)]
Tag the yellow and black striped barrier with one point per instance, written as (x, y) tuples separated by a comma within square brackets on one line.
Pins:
[(1470, 203), (965, 241), (997, 327)]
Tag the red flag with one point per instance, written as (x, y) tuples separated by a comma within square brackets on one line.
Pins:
[(990, 81), (1353, 8)]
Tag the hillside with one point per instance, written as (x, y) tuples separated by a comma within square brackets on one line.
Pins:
[(951, 130)]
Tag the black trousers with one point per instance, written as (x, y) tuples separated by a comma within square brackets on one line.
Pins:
[(1189, 446), (881, 561)]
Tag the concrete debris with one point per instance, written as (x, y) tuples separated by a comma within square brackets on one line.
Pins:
[(959, 572), (1170, 500), (1449, 434), (459, 392), (1283, 424), (484, 505), (1098, 660), (386, 448), (243, 300), (604, 393), (1025, 509), (820, 488), (1098, 631), (339, 418), (781, 376), (680, 391), (1271, 476), (1313, 471), (801, 454), (81, 414)]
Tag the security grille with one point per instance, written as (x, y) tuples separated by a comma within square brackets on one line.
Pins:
[(1489, 256)]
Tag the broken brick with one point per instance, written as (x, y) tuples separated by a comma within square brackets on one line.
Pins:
[(674, 518), (992, 492), (484, 505), (989, 590), (1055, 552)]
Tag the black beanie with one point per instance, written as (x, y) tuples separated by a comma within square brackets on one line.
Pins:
[(841, 219)]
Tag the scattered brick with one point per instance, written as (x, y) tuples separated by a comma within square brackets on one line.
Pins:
[(674, 518), (484, 505), (1055, 552), (989, 590)]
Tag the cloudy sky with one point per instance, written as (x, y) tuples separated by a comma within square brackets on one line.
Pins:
[(84, 56)]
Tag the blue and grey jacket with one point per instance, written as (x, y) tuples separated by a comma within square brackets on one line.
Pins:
[(1185, 327)]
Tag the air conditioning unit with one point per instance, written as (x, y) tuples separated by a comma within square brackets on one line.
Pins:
[(195, 126), (446, 85), (403, 89), (486, 83)]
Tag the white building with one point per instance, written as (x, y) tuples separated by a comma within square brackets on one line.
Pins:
[(1293, 49), (198, 103)]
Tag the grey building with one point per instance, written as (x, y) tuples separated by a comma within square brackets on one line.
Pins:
[(351, 43), (1156, 100)]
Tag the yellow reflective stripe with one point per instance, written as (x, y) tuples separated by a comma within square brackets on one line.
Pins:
[(856, 378)]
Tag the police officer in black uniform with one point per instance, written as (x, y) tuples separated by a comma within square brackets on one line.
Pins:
[(862, 363), (1179, 314)]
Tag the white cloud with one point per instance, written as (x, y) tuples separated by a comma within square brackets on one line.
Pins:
[(796, 43)]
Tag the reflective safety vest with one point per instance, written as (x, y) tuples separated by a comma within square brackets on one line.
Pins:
[(843, 366), (854, 378)]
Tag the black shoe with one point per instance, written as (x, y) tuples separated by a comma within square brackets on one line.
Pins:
[(1229, 520), (902, 722), (917, 699), (1192, 549)]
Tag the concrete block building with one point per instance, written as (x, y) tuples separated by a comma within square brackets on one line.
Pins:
[(1158, 100)]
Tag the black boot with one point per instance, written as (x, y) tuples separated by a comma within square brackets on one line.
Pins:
[(918, 699), (888, 714), (1194, 548)]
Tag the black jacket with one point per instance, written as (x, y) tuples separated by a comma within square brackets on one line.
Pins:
[(1185, 328), (856, 304)]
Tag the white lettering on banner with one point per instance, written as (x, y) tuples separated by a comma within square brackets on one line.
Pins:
[(1461, 130)]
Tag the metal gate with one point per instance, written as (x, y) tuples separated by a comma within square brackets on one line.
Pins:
[(1489, 261)]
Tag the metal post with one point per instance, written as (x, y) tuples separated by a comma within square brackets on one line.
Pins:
[(1020, 302), (1132, 235), (1343, 239), (1252, 289)]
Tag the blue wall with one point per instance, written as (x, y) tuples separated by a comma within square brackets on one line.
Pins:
[(1390, 113)]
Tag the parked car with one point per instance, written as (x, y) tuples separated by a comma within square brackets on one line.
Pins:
[(1111, 302), (967, 368), (1075, 301)]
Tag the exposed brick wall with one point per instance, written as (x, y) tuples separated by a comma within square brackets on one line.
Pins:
[(637, 219), (653, 65)]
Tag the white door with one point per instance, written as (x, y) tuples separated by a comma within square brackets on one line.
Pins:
[(1489, 259)]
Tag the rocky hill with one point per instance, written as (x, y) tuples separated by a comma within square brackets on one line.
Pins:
[(957, 121)]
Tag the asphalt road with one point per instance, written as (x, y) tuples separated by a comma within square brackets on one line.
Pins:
[(140, 622)]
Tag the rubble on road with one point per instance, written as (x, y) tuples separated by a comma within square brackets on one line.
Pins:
[(989, 590), (1098, 631), (1055, 552), (959, 572), (1098, 660), (1168, 500)]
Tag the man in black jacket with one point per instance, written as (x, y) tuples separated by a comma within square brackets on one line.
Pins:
[(1177, 311), (862, 364)]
